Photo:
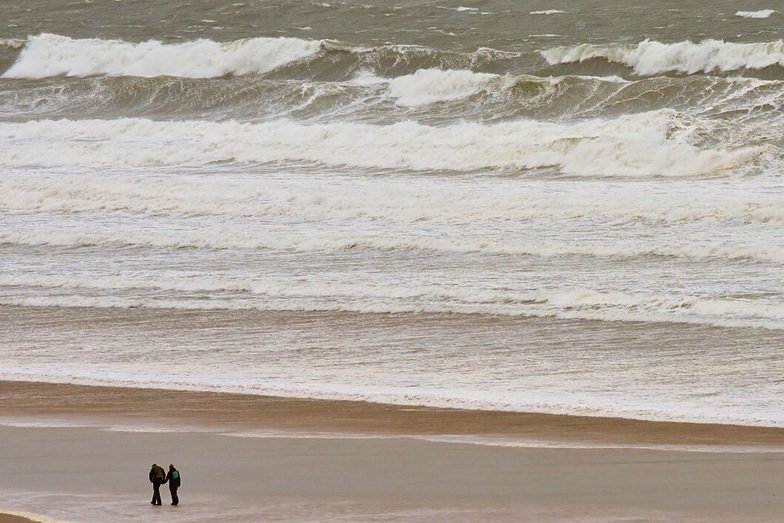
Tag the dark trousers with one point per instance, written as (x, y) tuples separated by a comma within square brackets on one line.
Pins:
[(173, 492), (156, 493)]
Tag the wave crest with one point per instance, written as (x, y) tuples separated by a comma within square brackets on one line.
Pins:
[(49, 55), (650, 58), (434, 85), (646, 145), (765, 13)]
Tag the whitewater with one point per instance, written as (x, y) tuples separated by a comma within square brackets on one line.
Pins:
[(484, 207)]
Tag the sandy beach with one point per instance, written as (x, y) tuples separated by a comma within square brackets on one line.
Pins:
[(13, 518), (71, 453)]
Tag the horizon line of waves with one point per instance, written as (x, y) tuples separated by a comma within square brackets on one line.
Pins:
[(50, 55), (650, 58), (343, 242), (571, 303), (654, 144)]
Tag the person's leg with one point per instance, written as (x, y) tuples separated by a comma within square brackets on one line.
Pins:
[(156, 497), (175, 499)]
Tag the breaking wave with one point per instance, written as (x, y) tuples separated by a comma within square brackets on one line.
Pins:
[(49, 55), (646, 145), (764, 13), (649, 58)]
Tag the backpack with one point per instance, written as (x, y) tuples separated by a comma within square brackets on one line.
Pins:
[(159, 474), (176, 475)]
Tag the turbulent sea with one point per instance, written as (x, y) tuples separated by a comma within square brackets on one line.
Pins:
[(567, 207)]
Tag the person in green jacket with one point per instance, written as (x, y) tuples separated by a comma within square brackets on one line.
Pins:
[(174, 480)]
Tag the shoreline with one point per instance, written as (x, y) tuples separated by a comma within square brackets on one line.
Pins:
[(396, 470), (237, 412), (7, 517)]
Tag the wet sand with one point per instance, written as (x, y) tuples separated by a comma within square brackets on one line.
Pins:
[(238, 411), (393, 468), (11, 518)]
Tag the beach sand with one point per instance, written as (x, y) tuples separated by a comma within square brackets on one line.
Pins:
[(12, 518), (250, 458)]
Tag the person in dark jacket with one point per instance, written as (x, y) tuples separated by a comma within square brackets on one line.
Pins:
[(174, 481), (157, 477)]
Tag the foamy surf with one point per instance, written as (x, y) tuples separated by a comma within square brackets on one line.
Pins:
[(521, 393), (433, 85), (49, 55), (764, 13), (341, 194), (646, 145), (649, 58), (396, 201)]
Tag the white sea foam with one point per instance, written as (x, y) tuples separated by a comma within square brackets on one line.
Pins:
[(211, 292), (650, 58), (503, 441), (13, 43), (643, 145), (764, 13), (511, 442), (548, 12), (393, 200), (46, 422), (53, 55), (428, 86), (340, 241)]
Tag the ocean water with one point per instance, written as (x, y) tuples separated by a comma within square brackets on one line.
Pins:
[(567, 207)]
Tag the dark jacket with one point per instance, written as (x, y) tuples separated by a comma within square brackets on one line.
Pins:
[(173, 481), (157, 475)]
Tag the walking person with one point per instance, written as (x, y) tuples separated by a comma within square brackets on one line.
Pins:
[(157, 477), (174, 480)]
